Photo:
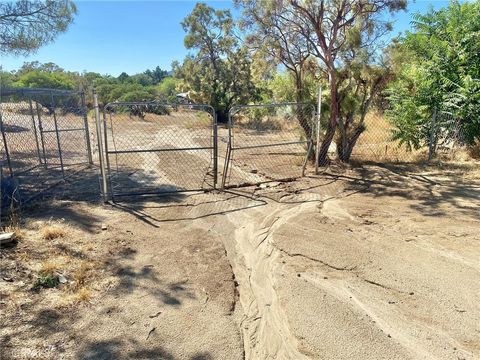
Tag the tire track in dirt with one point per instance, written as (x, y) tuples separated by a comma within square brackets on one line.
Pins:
[(265, 328)]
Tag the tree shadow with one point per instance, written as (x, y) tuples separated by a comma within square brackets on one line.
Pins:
[(9, 128), (112, 349), (429, 194), (193, 206)]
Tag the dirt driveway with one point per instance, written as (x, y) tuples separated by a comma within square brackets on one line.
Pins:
[(358, 264)]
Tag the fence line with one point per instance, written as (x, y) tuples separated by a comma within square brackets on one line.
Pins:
[(268, 142), (45, 140), (150, 147)]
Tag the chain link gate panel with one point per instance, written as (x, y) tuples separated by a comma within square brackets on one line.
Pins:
[(45, 138), (267, 142), (156, 148)]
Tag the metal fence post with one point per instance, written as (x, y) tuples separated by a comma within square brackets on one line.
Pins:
[(108, 175), (35, 129), (319, 113), (58, 135), (7, 154), (229, 150), (100, 147), (87, 132), (433, 136), (215, 150), (40, 128), (1, 179), (305, 161)]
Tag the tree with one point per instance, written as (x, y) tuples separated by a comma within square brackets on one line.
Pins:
[(6, 79), (440, 75), (27, 25), (43, 79), (219, 71), (123, 77), (166, 90), (270, 36), (337, 33), (157, 75), (141, 79)]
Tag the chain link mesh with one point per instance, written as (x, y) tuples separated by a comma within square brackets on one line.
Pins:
[(48, 138), (45, 141), (159, 148), (377, 143), (267, 142)]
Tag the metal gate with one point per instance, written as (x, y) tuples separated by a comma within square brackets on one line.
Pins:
[(44, 127), (268, 142), (45, 137), (157, 148)]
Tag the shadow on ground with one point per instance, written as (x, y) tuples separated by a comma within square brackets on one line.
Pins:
[(187, 207), (109, 350), (432, 190)]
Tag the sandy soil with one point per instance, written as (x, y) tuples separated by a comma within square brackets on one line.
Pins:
[(356, 264)]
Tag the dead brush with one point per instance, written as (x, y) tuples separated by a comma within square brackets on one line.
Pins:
[(13, 224), (81, 275), (49, 267), (15, 229), (474, 150), (81, 295), (51, 232)]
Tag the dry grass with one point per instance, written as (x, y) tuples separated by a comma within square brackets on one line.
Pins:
[(15, 229), (50, 232), (81, 275), (474, 150), (49, 268), (200, 120), (376, 144), (14, 225), (82, 295)]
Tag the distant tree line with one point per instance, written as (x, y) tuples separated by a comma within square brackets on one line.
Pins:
[(148, 85)]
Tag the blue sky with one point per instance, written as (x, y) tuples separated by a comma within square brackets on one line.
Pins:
[(114, 36)]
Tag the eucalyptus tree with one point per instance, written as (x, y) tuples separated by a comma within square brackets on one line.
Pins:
[(270, 35), (343, 36)]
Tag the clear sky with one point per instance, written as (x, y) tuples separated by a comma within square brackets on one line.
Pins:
[(110, 37)]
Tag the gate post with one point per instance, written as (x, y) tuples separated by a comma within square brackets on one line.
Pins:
[(35, 129), (7, 154), (87, 132), (58, 135), (101, 158), (229, 149), (215, 150), (319, 113), (40, 128)]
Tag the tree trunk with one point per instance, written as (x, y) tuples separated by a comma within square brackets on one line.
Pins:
[(332, 122), (302, 117), (345, 145), (222, 116)]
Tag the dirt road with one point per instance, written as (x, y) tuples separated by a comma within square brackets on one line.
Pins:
[(366, 264)]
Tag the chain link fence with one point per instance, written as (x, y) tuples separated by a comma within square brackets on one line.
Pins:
[(45, 141), (51, 145), (153, 147), (268, 142), (378, 143)]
